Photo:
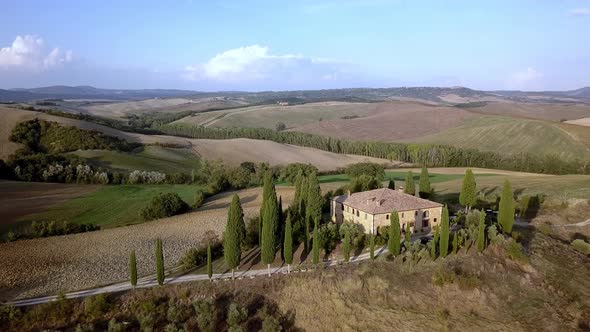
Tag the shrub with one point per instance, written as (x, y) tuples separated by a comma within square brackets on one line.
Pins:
[(164, 205), (115, 327), (196, 257), (199, 198), (146, 321), (206, 315), (271, 324), (514, 251), (236, 315), (177, 313), (544, 229), (96, 306), (581, 246)]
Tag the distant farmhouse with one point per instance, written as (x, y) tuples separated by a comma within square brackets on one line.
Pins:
[(283, 103), (372, 209)]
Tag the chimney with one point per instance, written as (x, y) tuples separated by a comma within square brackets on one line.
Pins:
[(348, 193), (400, 189)]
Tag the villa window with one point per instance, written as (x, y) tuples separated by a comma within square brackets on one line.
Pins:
[(402, 214), (425, 223), (434, 219), (415, 213), (365, 216), (387, 216), (342, 207), (357, 213), (425, 214)]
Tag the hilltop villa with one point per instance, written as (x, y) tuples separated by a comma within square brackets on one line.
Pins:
[(373, 208)]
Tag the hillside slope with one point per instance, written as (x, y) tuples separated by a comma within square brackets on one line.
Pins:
[(232, 152), (511, 135)]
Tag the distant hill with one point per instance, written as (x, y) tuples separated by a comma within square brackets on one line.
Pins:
[(430, 94), (87, 92), (583, 94)]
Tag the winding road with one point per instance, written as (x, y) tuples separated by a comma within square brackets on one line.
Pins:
[(150, 281)]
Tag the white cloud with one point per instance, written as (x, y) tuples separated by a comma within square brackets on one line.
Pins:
[(580, 12), (524, 79), (29, 53), (257, 63)]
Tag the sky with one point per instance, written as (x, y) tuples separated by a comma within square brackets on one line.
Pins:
[(297, 44)]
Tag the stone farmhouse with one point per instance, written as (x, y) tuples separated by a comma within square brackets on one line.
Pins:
[(372, 209)]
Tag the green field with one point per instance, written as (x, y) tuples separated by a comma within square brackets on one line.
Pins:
[(396, 176), (111, 206), (147, 158), (511, 135)]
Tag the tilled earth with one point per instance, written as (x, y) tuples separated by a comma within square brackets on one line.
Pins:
[(45, 266)]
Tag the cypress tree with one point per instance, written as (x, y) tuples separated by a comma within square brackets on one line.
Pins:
[(297, 197), (316, 244), (159, 262), (408, 239), (232, 237), (265, 194), (209, 262), (444, 233), (133, 269), (288, 244), (455, 243), (391, 185), (280, 227), (313, 207), (394, 242), (434, 244), (303, 214), (271, 215), (506, 212), (303, 196), (424, 190), (481, 232), (410, 186), (467, 196), (372, 246), (346, 246)]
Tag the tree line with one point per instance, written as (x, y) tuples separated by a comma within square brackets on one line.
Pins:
[(431, 155)]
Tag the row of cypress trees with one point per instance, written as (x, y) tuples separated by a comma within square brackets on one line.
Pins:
[(159, 265)]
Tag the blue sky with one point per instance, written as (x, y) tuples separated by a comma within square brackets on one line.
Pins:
[(278, 45)]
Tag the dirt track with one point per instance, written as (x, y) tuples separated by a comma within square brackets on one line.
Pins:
[(72, 262)]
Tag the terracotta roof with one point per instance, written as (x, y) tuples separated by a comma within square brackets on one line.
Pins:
[(385, 200)]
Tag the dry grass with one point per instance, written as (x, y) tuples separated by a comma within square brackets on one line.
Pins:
[(485, 292), (540, 111)]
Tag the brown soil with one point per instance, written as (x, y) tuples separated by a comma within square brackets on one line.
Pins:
[(23, 198), (393, 121), (45, 266)]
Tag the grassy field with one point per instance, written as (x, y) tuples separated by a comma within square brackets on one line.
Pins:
[(111, 206), (511, 135), (148, 158), (396, 176)]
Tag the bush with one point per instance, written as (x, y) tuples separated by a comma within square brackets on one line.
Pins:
[(115, 327), (196, 257), (199, 198), (96, 306), (514, 251), (581, 246), (164, 205), (236, 315), (206, 315)]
